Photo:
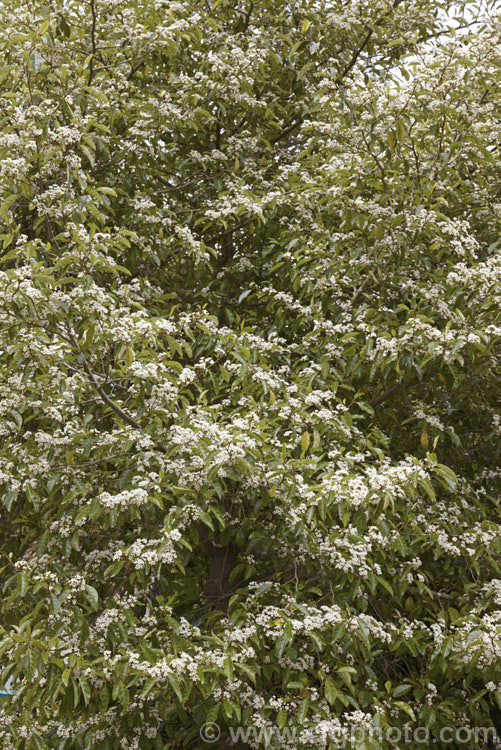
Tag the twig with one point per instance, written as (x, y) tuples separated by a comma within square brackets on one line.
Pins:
[(387, 394), (107, 400), (352, 62), (93, 42)]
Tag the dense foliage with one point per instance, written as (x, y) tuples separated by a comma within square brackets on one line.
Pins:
[(250, 329)]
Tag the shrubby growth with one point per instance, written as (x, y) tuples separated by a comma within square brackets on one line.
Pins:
[(250, 328)]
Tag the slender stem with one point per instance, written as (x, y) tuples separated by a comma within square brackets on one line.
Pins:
[(93, 41), (107, 400), (356, 54)]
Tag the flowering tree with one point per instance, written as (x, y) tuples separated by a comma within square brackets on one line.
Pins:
[(249, 337)]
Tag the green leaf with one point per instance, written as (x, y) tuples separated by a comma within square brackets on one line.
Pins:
[(282, 718), (121, 693), (92, 596), (405, 707), (129, 356), (114, 569), (305, 442), (228, 668), (302, 711), (428, 488), (331, 691), (85, 688), (6, 204), (174, 683)]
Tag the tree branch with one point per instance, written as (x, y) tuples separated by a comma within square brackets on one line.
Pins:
[(387, 394), (107, 400), (356, 54)]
